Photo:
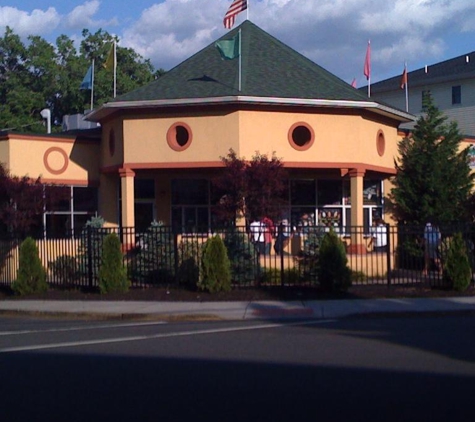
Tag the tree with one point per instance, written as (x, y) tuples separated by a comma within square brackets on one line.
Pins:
[(31, 273), (253, 189), (112, 273), (21, 203), (433, 180), (37, 75)]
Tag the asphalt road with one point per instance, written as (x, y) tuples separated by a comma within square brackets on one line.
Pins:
[(360, 369)]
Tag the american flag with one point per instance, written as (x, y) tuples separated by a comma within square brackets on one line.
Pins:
[(236, 7)]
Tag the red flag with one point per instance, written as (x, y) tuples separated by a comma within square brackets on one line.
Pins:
[(367, 62), (236, 7), (353, 83), (404, 78)]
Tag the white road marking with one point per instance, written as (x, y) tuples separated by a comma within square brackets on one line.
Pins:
[(92, 327), (156, 336)]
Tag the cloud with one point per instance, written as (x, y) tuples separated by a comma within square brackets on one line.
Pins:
[(24, 23), (82, 17)]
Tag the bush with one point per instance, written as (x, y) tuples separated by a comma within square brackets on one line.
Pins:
[(65, 268), (188, 273), (155, 261), (90, 249), (112, 272), (457, 271), (31, 274), (215, 266), (333, 271), (245, 265)]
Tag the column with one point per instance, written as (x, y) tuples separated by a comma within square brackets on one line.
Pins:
[(127, 208), (358, 244)]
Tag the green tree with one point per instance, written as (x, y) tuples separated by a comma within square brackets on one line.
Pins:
[(37, 75), (31, 274), (457, 269), (112, 273), (216, 267), (254, 189), (333, 272), (433, 180)]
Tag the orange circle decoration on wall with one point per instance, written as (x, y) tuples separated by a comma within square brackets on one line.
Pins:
[(301, 136), (380, 143), (56, 160), (179, 136)]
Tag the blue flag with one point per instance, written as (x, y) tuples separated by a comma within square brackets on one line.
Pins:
[(87, 81)]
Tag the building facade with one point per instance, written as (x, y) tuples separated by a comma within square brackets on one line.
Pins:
[(158, 147)]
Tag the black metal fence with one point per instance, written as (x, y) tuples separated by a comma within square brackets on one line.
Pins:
[(389, 255)]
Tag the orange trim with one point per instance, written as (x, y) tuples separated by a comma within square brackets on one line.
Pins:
[(313, 165), (47, 165), (71, 182), (172, 136), (54, 139), (126, 172), (357, 249), (290, 136), (357, 172), (380, 143)]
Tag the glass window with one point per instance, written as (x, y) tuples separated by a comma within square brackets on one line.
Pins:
[(144, 188), (302, 192), (456, 94), (329, 192), (190, 192), (85, 199), (372, 192), (58, 198), (58, 225)]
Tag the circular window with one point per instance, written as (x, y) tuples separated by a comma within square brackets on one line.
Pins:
[(179, 136), (301, 136), (380, 143), (111, 142)]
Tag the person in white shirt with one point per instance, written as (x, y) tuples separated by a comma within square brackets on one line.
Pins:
[(258, 229), (379, 236)]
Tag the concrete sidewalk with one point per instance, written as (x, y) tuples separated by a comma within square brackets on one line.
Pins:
[(318, 309)]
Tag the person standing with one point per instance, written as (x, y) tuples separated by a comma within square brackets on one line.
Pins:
[(268, 234), (379, 236), (432, 239), (257, 229)]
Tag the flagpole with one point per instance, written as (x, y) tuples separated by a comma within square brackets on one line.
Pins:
[(115, 68), (240, 60), (92, 86), (406, 88), (247, 12)]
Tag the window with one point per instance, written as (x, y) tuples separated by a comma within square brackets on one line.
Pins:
[(457, 94), (179, 136), (68, 208), (190, 205), (301, 136)]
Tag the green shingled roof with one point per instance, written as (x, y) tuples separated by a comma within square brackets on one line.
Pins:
[(269, 69)]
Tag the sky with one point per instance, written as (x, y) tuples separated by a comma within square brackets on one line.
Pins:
[(331, 33)]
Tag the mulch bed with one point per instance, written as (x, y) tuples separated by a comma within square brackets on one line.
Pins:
[(163, 293)]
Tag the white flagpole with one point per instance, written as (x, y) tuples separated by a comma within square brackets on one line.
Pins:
[(115, 68), (247, 11), (92, 86), (406, 88), (240, 60)]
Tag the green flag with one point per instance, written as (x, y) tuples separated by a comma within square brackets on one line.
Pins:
[(229, 49)]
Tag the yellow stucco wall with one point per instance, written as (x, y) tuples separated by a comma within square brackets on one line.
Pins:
[(339, 138), (212, 136), (54, 160)]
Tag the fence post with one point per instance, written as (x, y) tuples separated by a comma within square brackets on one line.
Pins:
[(388, 254), (175, 253), (89, 257)]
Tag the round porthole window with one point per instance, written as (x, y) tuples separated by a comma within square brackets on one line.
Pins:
[(301, 136), (179, 136), (380, 143)]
